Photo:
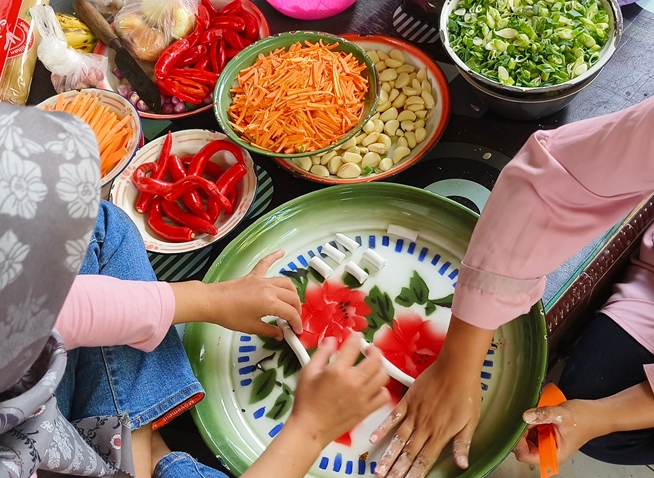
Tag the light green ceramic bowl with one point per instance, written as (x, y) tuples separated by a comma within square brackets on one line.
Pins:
[(222, 98), (246, 406)]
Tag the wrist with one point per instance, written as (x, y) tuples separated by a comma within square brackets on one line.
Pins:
[(593, 417), (308, 432), (192, 303)]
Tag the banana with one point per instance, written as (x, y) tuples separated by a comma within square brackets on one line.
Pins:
[(80, 39), (71, 22)]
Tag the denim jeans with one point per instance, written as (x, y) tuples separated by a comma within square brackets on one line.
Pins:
[(117, 380)]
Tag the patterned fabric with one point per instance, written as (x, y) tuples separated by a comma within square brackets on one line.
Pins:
[(49, 198)]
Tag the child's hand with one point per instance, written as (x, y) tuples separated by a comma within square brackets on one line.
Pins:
[(242, 303), (331, 398), (570, 426)]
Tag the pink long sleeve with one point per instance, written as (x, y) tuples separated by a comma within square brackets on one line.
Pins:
[(563, 189), (104, 311)]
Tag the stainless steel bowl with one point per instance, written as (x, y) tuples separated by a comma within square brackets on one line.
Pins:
[(524, 109), (615, 33)]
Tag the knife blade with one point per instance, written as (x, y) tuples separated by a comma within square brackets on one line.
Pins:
[(128, 66)]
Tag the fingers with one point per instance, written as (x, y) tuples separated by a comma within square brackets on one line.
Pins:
[(263, 329), (396, 461), (390, 422), (294, 315), (372, 364), (349, 351), (461, 449), (321, 356), (542, 416), (425, 459), (264, 264)]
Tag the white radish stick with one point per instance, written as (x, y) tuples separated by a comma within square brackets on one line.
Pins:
[(402, 231), (389, 368), (320, 266), (347, 242), (359, 274), (333, 253), (375, 259), (292, 340)]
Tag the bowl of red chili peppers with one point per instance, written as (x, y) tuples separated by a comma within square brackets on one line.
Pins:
[(186, 190), (187, 71)]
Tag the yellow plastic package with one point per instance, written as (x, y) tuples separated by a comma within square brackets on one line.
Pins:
[(18, 42)]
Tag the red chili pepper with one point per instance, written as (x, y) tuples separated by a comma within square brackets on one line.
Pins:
[(212, 35), (192, 199), (222, 56), (232, 8), (177, 214), (143, 183), (195, 74), (233, 175), (204, 15), (194, 37), (210, 8), (169, 57), (226, 184), (213, 54), (213, 169), (184, 89), (190, 183), (231, 22), (234, 40), (159, 172), (165, 230), (190, 56), (230, 53), (203, 62), (251, 25), (201, 159)]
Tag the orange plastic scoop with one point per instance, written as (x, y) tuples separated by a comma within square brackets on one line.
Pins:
[(549, 464)]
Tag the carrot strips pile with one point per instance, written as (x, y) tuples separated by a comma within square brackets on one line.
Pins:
[(112, 133), (298, 100)]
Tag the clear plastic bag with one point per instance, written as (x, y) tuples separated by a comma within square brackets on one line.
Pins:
[(147, 27), (107, 8), (71, 70)]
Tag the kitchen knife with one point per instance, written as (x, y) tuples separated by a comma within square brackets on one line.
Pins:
[(131, 70)]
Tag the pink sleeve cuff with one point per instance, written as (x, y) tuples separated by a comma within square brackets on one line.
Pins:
[(488, 300)]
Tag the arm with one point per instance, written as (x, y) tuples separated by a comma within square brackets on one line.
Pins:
[(578, 421), (561, 190), (104, 311), (331, 398)]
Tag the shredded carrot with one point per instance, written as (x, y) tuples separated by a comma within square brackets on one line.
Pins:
[(298, 100), (111, 133)]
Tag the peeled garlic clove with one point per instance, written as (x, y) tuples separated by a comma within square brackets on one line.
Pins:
[(393, 94), (334, 164), (407, 126), (402, 142), (400, 153), (303, 163), (396, 55), (379, 148), (418, 124), (402, 80), (368, 127), (421, 134), (351, 158), (430, 102), (389, 114), (425, 86), (371, 159), (385, 140), (410, 139), (392, 63), (422, 74), (373, 55), (405, 69), (406, 115), (349, 143), (349, 171), (371, 138), (387, 74), (386, 164), (379, 126), (391, 127), (319, 170)]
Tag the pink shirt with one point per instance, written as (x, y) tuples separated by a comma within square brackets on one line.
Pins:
[(563, 189), (104, 311)]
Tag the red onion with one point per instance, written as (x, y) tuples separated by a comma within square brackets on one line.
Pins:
[(207, 100), (117, 73), (179, 107), (124, 90), (134, 98), (175, 100), (167, 108), (141, 106)]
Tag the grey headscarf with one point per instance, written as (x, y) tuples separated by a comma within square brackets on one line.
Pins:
[(49, 199)]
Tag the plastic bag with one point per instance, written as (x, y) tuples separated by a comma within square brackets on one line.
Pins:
[(17, 50), (71, 70), (147, 27), (311, 9), (107, 8)]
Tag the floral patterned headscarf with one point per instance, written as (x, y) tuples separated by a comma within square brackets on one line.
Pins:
[(49, 199)]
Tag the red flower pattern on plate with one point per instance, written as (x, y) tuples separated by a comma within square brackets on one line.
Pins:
[(411, 345), (332, 310)]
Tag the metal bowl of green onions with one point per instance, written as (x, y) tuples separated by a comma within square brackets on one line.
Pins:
[(530, 49)]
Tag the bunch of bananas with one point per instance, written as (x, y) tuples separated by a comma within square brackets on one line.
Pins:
[(78, 35)]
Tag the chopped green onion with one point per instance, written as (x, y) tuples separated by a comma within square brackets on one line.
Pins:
[(529, 43)]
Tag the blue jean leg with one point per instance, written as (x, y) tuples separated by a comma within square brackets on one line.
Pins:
[(182, 465), (116, 380)]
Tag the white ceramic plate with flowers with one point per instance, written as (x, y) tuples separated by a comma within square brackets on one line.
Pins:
[(403, 308), (185, 143)]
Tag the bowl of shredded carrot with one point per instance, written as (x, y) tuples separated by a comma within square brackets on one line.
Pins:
[(113, 119), (296, 94)]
